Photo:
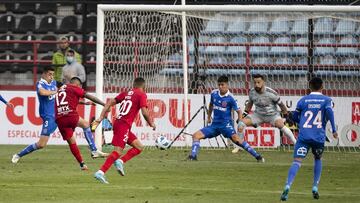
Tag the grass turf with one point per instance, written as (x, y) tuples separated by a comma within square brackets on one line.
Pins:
[(52, 175)]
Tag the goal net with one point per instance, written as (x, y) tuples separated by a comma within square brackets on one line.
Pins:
[(287, 44)]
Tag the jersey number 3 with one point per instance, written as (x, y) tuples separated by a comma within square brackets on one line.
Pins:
[(317, 120)]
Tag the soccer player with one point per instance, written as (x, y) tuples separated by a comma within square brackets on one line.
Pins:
[(266, 101), (130, 104), (5, 102), (67, 118), (312, 113), (222, 103), (46, 90)]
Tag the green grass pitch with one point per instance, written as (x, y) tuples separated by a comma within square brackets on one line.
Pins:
[(52, 175)]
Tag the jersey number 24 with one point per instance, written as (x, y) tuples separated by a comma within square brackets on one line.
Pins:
[(317, 120)]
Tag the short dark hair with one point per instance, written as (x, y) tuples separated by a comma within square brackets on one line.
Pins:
[(315, 83), (223, 78), (48, 68), (139, 82), (71, 51), (75, 79), (258, 76)]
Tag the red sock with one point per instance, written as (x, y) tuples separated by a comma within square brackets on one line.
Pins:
[(130, 154), (76, 152), (109, 161)]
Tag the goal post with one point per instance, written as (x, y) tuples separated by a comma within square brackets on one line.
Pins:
[(182, 49)]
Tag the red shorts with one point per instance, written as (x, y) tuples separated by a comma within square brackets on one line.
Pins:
[(122, 134), (67, 126)]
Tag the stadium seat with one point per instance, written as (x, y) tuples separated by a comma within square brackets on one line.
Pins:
[(26, 24), (300, 50), (73, 38), (327, 60), (68, 24), (324, 25), (239, 25), (91, 8), (237, 49), (215, 25), (43, 48), (25, 47), (91, 47), (44, 8), (6, 65), (47, 24), (325, 50), (218, 60), (42, 65), (7, 23), (300, 27), (279, 49), (284, 61), (350, 61), (259, 49), (280, 25), (259, 25), (347, 50), (23, 67), (6, 47), (215, 49), (23, 8), (90, 67), (345, 27), (91, 24), (262, 60), (239, 60)]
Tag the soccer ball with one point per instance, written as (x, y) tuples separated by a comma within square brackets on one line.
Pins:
[(162, 143)]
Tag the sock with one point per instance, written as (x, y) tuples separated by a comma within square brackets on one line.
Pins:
[(195, 148), (289, 134), (89, 138), (292, 172), (317, 171), (109, 161), (28, 150), (130, 154), (76, 152), (248, 148)]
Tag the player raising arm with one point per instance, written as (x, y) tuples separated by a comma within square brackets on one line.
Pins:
[(46, 90), (67, 118), (266, 101), (312, 113), (130, 104), (222, 103)]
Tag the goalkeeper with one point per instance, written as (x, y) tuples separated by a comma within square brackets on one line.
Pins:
[(266, 101)]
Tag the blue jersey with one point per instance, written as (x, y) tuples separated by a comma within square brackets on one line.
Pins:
[(47, 103), (222, 106), (312, 113)]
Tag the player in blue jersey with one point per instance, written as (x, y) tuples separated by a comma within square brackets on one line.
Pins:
[(222, 103), (312, 113), (46, 90), (6, 102)]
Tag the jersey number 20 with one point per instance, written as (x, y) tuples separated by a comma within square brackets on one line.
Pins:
[(124, 108), (316, 121)]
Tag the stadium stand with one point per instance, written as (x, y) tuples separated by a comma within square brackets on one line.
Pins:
[(47, 24)]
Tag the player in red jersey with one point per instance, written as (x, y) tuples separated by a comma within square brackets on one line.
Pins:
[(67, 118), (130, 104)]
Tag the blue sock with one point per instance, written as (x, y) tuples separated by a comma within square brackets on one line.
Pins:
[(317, 171), (89, 138), (27, 150), (248, 148), (195, 148), (292, 172)]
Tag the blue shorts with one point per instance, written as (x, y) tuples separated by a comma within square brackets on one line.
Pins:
[(215, 129), (302, 148), (49, 126)]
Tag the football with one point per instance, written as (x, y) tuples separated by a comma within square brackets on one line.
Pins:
[(162, 143)]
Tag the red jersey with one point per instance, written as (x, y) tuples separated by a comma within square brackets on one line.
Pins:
[(67, 99), (130, 104)]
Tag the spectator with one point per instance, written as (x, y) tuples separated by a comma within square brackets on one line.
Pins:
[(72, 68), (59, 59)]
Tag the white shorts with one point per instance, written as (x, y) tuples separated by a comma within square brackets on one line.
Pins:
[(258, 119)]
